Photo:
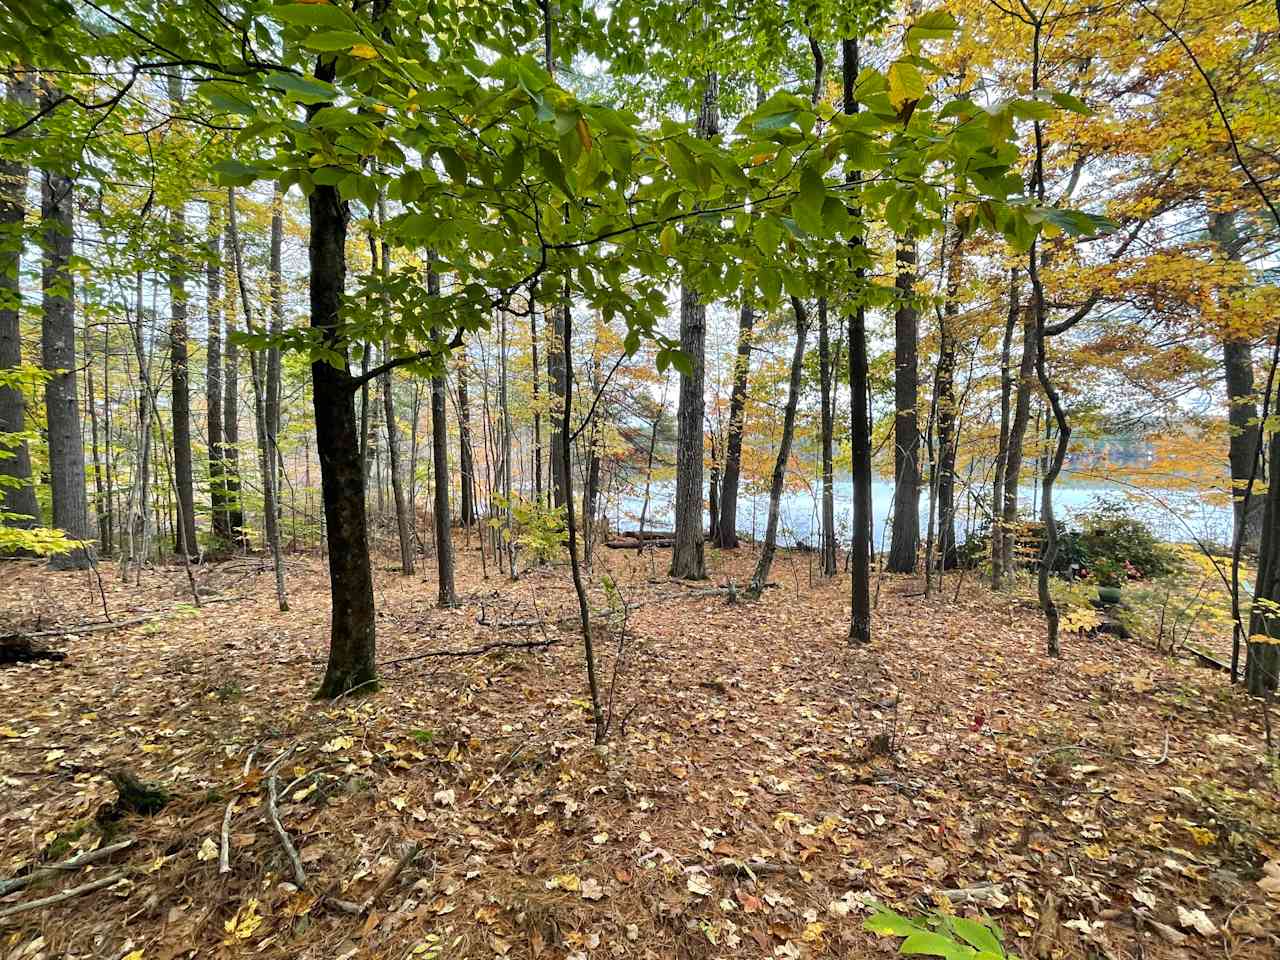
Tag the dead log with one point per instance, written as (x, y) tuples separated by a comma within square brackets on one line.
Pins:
[(631, 543)]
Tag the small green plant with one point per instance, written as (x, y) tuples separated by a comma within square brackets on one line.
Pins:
[(537, 528), (940, 935), (423, 736)]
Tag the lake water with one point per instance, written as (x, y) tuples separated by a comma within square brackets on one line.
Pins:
[(1176, 515)]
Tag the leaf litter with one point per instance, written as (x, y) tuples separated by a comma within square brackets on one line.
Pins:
[(768, 787)]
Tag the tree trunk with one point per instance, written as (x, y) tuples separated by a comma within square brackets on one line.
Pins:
[(761, 575), (213, 379), (1017, 439), (448, 596), (466, 457), (231, 423), (262, 422), (274, 372), (1049, 553), (536, 376), (1264, 657), (17, 490), (999, 542), (556, 373), (905, 541), (58, 352), (728, 525), (180, 374), (713, 497), (827, 551), (100, 507), (579, 588), (139, 514), (860, 413), (948, 407), (687, 561), (352, 631), (1242, 409)]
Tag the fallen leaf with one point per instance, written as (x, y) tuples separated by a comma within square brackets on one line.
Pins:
[(698, 885), (444, 798), (1198, 921)]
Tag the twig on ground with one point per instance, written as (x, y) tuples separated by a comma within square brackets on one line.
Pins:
[(248, 761), (299, 875), (497, 776), (57, 898), (73, 863), (985, 891), (1085, 748), (224, 849), (385, 883)]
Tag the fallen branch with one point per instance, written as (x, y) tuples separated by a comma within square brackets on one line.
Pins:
[(224, 849), (385, 883), (57, 898), (73, 863), (273, 813), (733, 868), (1212, 663), (96, 626), (986, 891)]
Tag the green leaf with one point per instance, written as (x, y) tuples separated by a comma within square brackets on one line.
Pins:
[(935, 945), (889, 924), (777, 121), (1067, 102), (512, 166), (807, 206), (236, 174), (1031, 109), (453, 164), (977, 934), (301, 88), (329, 40), (222, 96), (311, 15), (667, 240), (934, 25), (905, 83)]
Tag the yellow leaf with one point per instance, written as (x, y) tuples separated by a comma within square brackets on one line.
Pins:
[(584, 134), (132, 955), (244, 923), (364, 52), (9, 732)]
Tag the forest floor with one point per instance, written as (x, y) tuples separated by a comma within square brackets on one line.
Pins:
[(763, 784)]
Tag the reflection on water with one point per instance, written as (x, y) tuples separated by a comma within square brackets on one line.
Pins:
[(1172, 514)]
